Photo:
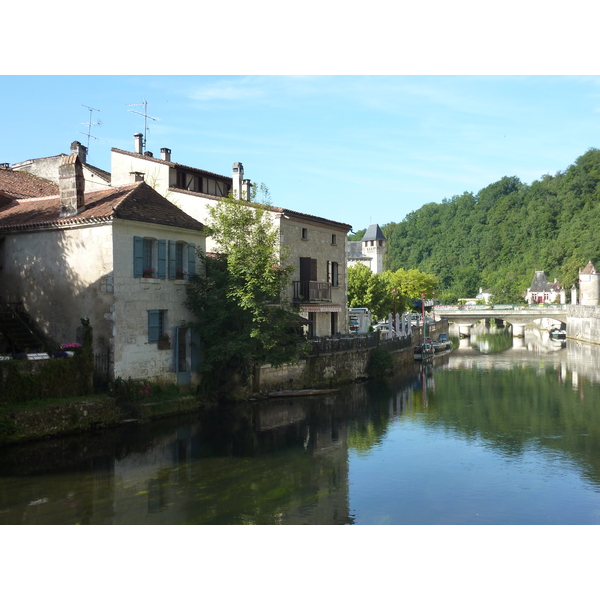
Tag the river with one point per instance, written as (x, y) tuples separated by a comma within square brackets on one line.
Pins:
[(498, 431)]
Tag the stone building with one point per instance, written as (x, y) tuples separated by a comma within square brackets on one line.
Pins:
[(589, 285), (47, 168), (317, 245), (370, 250), (114, 255)]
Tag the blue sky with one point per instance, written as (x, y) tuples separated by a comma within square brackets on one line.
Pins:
[(359, 149), (356, 117)]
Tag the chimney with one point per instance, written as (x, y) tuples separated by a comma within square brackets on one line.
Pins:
[(71, 186), (238, 175), (80, 150), (138, 143), (165, 154), (246, 189), (148, 153)]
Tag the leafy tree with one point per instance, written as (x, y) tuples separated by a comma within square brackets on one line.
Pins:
[(358, 236), (238, 301)]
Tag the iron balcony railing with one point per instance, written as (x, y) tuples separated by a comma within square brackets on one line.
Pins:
[(312, 291)]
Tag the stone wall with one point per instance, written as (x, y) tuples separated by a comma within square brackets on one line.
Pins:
[(583, 323)]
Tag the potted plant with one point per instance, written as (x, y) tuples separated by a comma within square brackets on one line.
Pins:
[(164, 342), (180, 274), (149, 273)]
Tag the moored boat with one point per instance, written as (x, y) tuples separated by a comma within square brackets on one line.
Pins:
[(291, 393)]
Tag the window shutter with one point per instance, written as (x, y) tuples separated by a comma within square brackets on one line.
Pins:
[(138, 256), (191, 260), (329, 272), (172, 259), (313, 269), (153, 325), (162, 259), (334, 274)]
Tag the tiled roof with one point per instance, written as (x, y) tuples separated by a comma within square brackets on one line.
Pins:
[(373, 233), (20, 184), (590, 269), (134, 202), (541, 284), (172, 164), (283, 211), (355, 251)]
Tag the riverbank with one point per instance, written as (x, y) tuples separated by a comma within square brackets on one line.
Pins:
[(64, 416)]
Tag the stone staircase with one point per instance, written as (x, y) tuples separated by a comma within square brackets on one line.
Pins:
[(18, 332)]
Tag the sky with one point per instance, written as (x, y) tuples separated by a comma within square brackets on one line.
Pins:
[(355, 149), (360, 116)]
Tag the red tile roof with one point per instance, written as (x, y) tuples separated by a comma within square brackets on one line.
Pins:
[(134, 202), (19, 184)]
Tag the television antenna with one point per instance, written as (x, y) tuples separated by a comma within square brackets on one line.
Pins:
[(90, 124), (146, 116)]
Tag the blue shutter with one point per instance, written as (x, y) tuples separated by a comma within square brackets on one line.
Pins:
[(191, 260), (172, 259), (162, 259), (153, 325), (138, 256)]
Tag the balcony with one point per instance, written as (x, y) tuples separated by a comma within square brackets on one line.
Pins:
[(312, 291)]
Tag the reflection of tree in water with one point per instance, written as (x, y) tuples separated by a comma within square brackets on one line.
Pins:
[(515, 409)]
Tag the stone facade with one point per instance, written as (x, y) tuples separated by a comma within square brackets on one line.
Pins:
[(589, 285), (305, 236), (583, 323)]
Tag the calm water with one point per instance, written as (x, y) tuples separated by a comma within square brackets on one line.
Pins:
[(495, 432)]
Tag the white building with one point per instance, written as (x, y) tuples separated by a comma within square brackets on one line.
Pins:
[(369, 250), (317, 246), (113, 255)]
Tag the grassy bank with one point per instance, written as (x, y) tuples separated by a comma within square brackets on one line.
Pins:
[(46, 417)]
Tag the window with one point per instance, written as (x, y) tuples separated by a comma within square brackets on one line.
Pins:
[(304, 233), (182, 260), (156, 324), (333, 239), (333, 273)]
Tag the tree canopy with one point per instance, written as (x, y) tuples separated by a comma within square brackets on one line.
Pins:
[(242, 315), (497, 238)]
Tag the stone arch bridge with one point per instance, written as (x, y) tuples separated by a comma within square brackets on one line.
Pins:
[(518, 316)]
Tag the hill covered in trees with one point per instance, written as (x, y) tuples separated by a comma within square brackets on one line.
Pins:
[(498, 237)]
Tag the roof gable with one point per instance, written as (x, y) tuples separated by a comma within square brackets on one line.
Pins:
[(134, 202)]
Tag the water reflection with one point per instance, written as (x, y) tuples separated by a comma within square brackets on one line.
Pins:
[(494, 435)]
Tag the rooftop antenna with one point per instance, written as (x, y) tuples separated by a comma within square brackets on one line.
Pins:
[(146, 116), (89, 135)]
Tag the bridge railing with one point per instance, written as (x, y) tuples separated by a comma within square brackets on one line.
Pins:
[(499, 307)]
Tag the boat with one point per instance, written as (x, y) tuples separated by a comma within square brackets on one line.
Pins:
[(423, 351), (293, 393), (558, 334)]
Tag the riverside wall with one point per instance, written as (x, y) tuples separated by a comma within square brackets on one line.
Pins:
[(336, 368), (583, 323)]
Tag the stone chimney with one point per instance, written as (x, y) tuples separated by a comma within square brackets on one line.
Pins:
[(165, 154), (246, 189), (138, 143), (238, 176), (71, 186), (80, 150)]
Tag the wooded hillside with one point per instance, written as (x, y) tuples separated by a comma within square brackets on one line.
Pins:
[(498, 237)]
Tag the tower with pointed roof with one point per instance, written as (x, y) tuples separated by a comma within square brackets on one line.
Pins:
[(589, 285), (373, 246)]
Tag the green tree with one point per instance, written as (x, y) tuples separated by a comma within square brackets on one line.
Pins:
[(242, 315)]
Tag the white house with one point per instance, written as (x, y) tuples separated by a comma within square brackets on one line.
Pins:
[(317, 246), (115, 255), (543, 291)]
